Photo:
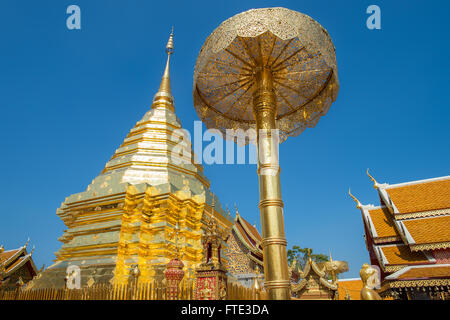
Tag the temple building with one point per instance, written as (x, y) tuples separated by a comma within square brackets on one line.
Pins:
[(127, 216), (408, 238), (16, 266), (244, 252)]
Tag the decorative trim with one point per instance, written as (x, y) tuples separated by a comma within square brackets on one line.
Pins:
[(422, 214), (394, 268), (430, 246), (299, 286), (329, 285), (417, 283), (387, 240), (406, 269), (316, 269)]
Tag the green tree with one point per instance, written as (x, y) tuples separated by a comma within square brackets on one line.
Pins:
[(301, 255)]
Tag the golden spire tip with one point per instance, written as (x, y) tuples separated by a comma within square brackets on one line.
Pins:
[(169, 46), (164, 91)]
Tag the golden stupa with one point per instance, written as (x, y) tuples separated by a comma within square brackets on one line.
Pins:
[(127, 216)]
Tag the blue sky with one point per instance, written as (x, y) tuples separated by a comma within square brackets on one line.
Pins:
[(68, 99)]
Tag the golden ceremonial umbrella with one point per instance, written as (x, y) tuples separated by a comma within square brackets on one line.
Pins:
[(267, 69)]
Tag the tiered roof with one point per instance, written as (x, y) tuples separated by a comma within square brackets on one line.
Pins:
[(250, 238), (12, 260), (314, 283), (408, 235)]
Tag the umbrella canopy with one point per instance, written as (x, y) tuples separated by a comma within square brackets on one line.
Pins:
[(298, 51)]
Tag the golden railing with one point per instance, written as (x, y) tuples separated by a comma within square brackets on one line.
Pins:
[(148, 291)]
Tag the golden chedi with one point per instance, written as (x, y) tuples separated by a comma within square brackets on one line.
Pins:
[(128, 214)]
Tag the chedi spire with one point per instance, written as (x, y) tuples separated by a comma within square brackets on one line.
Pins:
[(163, 98)]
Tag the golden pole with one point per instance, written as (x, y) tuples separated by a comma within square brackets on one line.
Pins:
[(279, 65), (270, 204)]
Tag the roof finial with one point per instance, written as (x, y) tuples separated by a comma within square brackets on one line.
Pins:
[(358, 204), (331, 258), (309, 254), (375, 183), (164, 92), (235, 207)]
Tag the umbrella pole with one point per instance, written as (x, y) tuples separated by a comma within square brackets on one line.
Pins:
[(271, 205)]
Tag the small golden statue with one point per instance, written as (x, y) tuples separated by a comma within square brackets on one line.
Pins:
[(205, 293), (367, 273)]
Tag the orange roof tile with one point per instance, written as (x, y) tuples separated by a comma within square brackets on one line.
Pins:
[(252, 229), (244, 234), (383, 222), (418, 197), (401, 254), (249, 242), (7, 254), (13, 265), (430, 272), (429, 230), (352, 287)]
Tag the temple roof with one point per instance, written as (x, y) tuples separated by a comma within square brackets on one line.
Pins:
[(419, 196), (409, 234), (6, 255), (383, 223), (313, 269), (251, 230), (415, 213), (428, 230), (416, 232), (12, 260), (249, 236), (400, 254), (421, 272)]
